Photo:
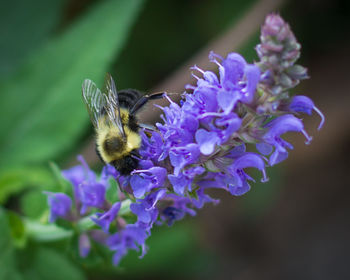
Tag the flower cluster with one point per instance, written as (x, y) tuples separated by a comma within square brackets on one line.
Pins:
[(224, 124)]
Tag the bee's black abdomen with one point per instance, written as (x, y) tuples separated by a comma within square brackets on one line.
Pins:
[(128, 97), (126, 165)]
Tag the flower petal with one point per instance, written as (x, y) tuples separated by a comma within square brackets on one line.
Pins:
[(227, 99), (252, 74), (233, 70), (60, 205), (206, 141), (139, 185), (84, 245), (249, 160), (104, 220)]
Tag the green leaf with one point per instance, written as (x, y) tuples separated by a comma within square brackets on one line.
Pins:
[(125, 207), (45, 232), (24, 29), (8, 269), (193, 194), (43, 103), (17, 229), (86, 223), (49, 264), (62, 184), (112, 191), (33, 203), (16, 179)]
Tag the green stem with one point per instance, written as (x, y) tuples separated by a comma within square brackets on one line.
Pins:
[(45, 232), (51, 232)]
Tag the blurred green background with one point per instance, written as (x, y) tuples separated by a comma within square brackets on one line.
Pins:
[(294, 227)]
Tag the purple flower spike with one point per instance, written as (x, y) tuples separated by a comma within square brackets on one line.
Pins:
[(84, 245), (203, 142), (304, 104), (104, 220), (60, 205)]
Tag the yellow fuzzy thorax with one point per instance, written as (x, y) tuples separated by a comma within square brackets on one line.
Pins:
[(106, 130)]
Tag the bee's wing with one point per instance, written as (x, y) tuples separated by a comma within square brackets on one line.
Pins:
[(94, 100), (112, 104)]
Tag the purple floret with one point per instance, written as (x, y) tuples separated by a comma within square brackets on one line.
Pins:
[(84, 245), (60, 205), (91, 194), (145, 180), (303, 104), (131, 237), (105, 219), (275, 129)]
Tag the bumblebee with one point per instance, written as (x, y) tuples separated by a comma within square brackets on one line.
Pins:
[(113, 115)]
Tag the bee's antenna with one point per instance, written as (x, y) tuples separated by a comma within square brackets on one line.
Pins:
[(144, 99)]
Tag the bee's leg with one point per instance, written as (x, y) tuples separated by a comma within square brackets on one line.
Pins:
[(144, 99), (135, 154)]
